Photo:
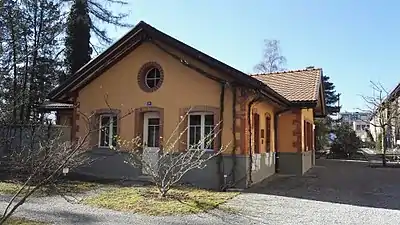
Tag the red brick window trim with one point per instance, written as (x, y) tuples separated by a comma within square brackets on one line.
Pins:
[(150, 77)]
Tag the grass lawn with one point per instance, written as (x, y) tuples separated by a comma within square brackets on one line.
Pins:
[(67, 187), (20, 221), (146, 200)]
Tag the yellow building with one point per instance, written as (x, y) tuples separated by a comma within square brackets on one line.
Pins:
[(146, 83)]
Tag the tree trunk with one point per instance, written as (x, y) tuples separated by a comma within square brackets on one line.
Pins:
[(384, 148), (163, 192)]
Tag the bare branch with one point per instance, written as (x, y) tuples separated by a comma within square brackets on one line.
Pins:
[(272, 60)]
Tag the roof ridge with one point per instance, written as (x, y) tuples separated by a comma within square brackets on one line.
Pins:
[(285, 71)]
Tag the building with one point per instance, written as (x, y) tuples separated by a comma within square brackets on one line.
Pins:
[(358, 121), (266, 117), (386, 116)]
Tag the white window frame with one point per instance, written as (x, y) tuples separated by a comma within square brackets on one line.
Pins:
[(110, 129), (202, 128), (154, 78)]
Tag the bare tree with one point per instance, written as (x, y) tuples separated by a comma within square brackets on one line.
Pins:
[(171, 164), (41, 162), (273, 60), (384, 111)]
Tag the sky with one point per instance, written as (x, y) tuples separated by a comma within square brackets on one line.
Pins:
[(353, 41)]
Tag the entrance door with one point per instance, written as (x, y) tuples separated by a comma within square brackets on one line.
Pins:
[(151, 140)]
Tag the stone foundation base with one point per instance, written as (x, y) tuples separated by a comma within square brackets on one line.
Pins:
[(296, 163), (109, 165)]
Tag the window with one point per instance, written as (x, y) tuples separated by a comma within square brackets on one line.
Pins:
[(308, 136), (153, 78), (153, 135), (201, 131), (268, 134), (108, 130), (150, 76), (256, 125)]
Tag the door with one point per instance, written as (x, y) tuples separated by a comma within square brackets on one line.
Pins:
[(151, 140)]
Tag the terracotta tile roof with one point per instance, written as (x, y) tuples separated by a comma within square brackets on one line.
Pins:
[(294, 85)]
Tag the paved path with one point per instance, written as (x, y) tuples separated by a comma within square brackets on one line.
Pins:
[(332, 193)]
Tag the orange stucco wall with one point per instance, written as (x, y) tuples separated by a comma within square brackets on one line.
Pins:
[(65, 118), (264, 109), (308, 115), (286, 127), (182, 87)]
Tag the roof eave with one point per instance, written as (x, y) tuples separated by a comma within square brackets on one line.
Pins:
[(81, 74), (305, 104), (59, 91)]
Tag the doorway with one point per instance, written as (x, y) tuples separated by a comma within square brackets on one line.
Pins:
[(151, 140)]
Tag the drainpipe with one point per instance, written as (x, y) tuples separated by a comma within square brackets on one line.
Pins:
[(222, 183), (251, 103), (276, 118)]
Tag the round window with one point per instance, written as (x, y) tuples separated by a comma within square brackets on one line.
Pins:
[(150, 77)]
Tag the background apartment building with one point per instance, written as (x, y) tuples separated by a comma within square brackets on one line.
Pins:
[(358, 121)]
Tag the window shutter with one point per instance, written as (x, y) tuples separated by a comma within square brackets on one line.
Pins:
[(268, 134), (256, 125)]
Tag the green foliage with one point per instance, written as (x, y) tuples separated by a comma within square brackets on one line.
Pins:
[(77, 41), (85, 17), (322, 130), (323, 127), (331, 97), (346, 141)]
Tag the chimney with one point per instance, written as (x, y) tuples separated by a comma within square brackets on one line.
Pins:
[(310, 67)]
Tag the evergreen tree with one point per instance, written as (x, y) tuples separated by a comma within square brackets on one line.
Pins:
[(331, 97), (77, 41), (81, 23), (324, 126)]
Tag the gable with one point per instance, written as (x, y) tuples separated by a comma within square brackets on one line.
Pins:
[(122, 81), (143, 33), (320, 109)]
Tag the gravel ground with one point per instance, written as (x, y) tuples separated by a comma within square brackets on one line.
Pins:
[(332, 193)]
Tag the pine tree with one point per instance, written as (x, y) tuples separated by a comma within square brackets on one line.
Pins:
[(324, 126), (81, 23), (77, 41), (331, 97)]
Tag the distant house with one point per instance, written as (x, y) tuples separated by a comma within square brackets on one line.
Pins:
[(270, 116), (358, 121), (388, 110)]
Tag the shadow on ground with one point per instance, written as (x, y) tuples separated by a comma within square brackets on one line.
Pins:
[(353, 183), (67, 217)]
